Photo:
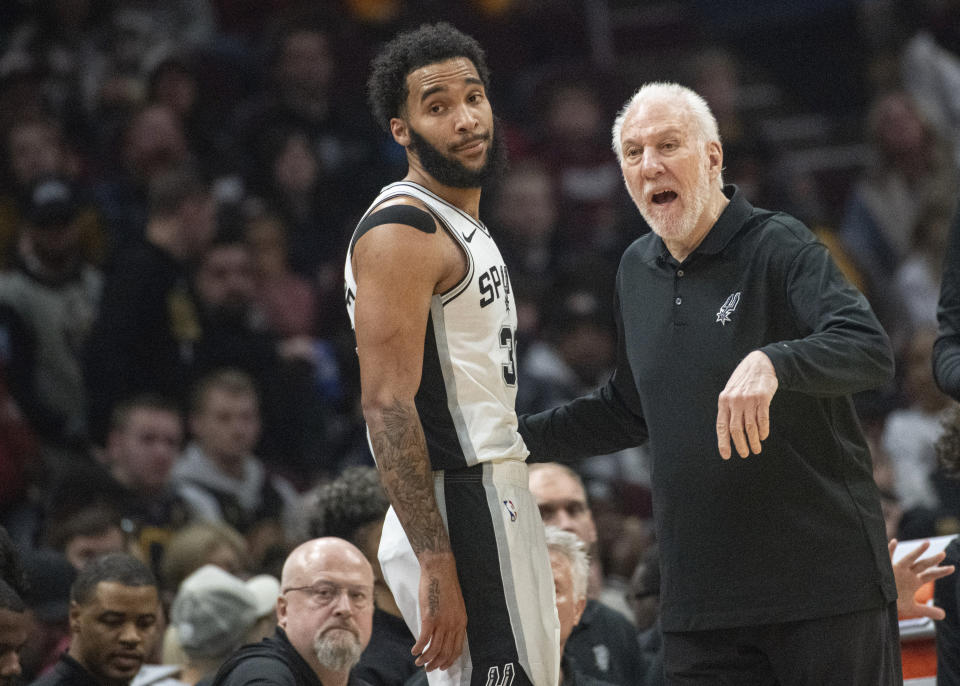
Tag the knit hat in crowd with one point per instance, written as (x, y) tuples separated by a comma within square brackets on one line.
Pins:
[(213, 612)]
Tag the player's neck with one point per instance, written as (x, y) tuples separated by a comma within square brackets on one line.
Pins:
[(466, 199)]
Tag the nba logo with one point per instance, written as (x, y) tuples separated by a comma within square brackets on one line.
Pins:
[(511, 510)]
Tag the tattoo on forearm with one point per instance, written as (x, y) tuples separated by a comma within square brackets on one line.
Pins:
[(434, 596), (401, 452)]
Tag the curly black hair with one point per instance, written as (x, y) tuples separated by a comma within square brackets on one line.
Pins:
[(341, 507), (410, 50)]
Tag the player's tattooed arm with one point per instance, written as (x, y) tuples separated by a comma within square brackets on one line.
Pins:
[(401, 452)]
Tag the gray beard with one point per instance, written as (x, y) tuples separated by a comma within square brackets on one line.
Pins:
[(338, 653)]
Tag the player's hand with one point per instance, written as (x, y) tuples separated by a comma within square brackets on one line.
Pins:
[(443, 616), (910, 573), (743, 409)]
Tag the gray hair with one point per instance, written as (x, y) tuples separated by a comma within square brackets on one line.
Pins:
[(571, 547), (659, 91)]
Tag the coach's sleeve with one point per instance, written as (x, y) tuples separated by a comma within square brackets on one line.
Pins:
[(604, 421)]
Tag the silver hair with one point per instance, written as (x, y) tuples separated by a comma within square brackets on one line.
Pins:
[(660, 91), (571, 547)]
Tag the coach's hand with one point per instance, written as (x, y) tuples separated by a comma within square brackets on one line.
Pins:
[(443, 616), (743, 409)]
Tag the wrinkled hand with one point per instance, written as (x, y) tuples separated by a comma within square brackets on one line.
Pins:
[(443, 616), (910, 573), (743, 410)]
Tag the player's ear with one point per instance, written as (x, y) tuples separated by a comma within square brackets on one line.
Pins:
[(400, 131)]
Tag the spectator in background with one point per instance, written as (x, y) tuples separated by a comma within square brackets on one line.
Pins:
[(302, 94), (14, 620), (145, 336), (910, 436), (212, 615), (54, 295), (49, 576), (152, 147), (61, 41), (114, 611), (14, 630), (295, 377), (309, 205), (571, 570), (287, 300), (144, 441), (175, 83), (588, 183), (575, 352), (913, 173), (85, 533), (198, 544), (917, 279), (353, 507), (603, 642), (525, 219), (219, 476), (324, 620), (19, 454), (644, 598), (35, 148)]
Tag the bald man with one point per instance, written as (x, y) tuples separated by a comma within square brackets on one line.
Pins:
[(324, 620)]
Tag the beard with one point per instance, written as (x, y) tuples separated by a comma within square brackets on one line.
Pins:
[(338, 651), (450, 172), (683, 224)]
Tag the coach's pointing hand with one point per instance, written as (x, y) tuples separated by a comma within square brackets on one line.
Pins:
[(743, 409)]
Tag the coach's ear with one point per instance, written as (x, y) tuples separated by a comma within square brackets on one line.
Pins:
[(400, 131)]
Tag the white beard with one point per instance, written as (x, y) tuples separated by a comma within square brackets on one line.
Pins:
[(678, 227), (338, 652)]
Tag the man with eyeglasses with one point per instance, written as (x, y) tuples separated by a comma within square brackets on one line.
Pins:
[(324, 620)]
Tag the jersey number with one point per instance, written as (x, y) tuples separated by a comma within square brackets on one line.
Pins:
[(510, 368)]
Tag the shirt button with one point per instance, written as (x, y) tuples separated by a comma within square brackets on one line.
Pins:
[(679, 272), (678, 300)]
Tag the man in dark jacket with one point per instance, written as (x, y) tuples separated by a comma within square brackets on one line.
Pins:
[(737, 334), (324, 620), (114, 608)]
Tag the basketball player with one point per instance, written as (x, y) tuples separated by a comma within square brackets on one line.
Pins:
[(429, 297)]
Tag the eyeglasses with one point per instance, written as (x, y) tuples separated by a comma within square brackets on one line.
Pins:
[(321, 595)]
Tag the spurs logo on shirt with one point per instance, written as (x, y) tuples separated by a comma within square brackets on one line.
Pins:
[(468, 384), (729, 305), (494, 677)]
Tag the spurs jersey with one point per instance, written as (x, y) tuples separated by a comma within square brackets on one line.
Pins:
[(469, 381)]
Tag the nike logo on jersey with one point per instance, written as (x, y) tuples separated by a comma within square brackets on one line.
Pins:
[(470, 237)]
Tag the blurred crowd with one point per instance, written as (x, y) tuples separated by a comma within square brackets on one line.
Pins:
[(179, 181)]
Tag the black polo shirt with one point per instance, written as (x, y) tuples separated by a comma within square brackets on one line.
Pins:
[(795, 532)]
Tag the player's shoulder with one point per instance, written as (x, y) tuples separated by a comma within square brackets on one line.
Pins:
[(398, 215)]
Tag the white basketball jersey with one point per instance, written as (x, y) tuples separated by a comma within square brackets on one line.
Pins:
[(469, 382)]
